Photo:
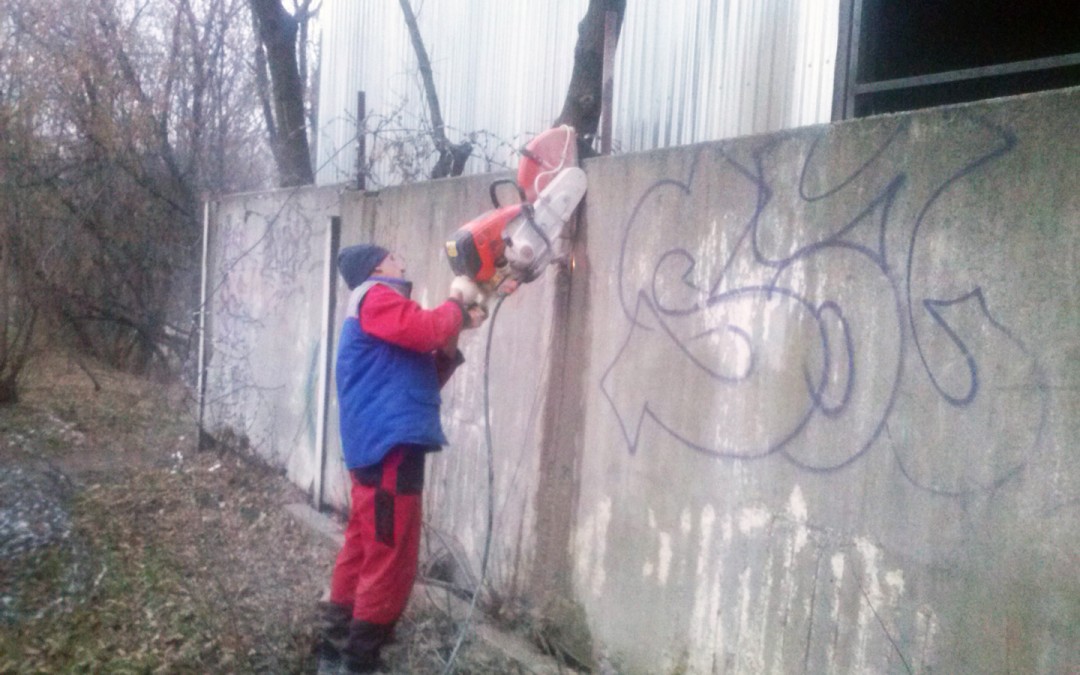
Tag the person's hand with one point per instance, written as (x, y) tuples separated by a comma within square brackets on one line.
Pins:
[(508, 286), (477, 314)]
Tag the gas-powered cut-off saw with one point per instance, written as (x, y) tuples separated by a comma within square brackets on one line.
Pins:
[(510, 245)]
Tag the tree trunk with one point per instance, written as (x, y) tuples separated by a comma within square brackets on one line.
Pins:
[(9, 390), (584, 97), (278, 33)]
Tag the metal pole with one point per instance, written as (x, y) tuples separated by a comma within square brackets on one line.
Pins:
[(967, 74), (845, 45), (361, 141), (853, 61), (204, 285), (326, 351), (611, 38)]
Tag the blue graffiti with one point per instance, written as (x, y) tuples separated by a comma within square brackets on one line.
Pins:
[(840, 378)]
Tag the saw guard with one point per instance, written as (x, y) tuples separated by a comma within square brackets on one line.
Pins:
[(544, 157), (513, 243)]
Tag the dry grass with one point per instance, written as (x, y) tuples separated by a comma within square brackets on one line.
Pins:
[(178, 561)]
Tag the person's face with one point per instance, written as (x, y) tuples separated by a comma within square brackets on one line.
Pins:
[(391, 266)]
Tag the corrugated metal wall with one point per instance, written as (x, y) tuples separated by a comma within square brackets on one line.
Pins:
[(686, 71)]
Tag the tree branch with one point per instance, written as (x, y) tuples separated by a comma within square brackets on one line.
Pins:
[(452, 157)]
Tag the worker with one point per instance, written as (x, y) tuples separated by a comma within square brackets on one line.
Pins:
[(393, 357)]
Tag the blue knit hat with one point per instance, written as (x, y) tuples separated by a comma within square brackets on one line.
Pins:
[(356, 263)]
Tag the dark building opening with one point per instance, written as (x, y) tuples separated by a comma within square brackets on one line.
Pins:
[(904, 54)]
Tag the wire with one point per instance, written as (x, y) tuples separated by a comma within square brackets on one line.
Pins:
[(491, 493)]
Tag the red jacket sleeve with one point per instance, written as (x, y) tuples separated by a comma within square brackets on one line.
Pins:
[(390, 316)]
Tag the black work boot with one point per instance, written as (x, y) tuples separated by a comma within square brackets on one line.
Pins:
[(366, 640), (332, 634)]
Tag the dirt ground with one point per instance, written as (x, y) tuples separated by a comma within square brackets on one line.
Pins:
[(125, 550)]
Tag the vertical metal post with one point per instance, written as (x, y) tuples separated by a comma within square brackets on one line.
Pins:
[(853, 59), (841, 80), (611, 37), (326, 351), (204, 285), (361, 141)]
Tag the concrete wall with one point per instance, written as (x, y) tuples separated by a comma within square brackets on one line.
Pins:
[(803, 402), (265, 299), (830, 389)]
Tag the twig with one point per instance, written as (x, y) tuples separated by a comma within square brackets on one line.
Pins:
[(82, 366)]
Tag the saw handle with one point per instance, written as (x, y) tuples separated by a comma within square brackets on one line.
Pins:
[(527, 211), (477, 314), (495, 197)]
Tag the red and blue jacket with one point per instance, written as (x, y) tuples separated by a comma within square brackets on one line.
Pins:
[(391, 363)]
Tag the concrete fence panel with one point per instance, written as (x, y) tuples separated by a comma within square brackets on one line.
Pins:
[(802, 402), (830, 398), (265, 295)]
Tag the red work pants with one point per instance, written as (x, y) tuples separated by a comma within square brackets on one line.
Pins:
[(376, 567)]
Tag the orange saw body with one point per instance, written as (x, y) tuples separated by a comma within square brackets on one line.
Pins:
[(517, 241)]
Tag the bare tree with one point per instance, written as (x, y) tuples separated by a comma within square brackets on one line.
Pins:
[(114, 118), (452, 157), (18, 311), (284, 104), (585, 95)]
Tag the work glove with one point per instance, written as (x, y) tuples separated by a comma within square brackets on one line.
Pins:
[(466, 291)]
